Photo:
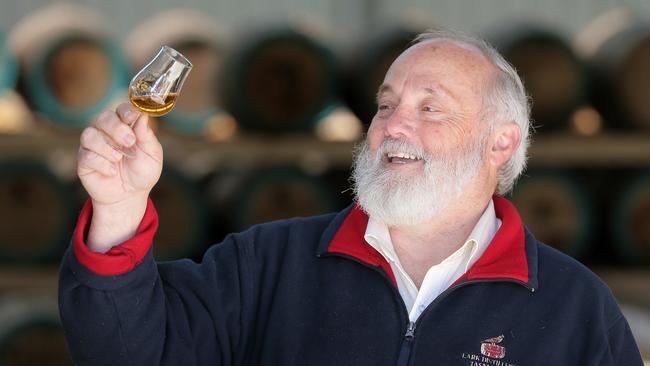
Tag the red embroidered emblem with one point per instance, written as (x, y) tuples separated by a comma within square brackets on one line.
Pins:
[(490, 348)]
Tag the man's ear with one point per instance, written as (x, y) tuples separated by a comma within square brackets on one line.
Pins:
[(504, 142)]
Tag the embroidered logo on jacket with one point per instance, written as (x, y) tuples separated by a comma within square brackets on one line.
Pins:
[(490, 348), (491, 354)]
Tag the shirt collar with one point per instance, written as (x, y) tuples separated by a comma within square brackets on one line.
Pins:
[(378, 237), (511, 255), (484, 230)]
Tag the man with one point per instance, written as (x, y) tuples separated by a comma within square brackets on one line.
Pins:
[(431, 267)]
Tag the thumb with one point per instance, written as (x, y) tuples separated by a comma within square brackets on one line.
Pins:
[(143, 133), (146, 138)]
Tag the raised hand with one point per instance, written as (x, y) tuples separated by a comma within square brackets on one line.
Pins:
[(118, 185)]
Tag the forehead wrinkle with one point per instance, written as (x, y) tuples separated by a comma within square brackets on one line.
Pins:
[(436, 90), (440, 90)]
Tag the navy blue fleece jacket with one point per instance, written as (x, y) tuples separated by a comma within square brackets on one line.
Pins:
[(311, 291)]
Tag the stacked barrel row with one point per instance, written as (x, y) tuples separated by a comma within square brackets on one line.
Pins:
[(287, 79), (599, 217), (605, 219), (39, 209)]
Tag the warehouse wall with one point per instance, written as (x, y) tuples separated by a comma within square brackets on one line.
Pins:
[(351, 17)]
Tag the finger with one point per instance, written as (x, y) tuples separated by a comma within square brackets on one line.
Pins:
[(90, 161), (119, 131), (145, 137), (95, 140), (128, 113)]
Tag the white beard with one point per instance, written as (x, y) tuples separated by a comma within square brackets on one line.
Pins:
[(400, 200)]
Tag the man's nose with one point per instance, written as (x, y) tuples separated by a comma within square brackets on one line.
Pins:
[(401, 123)]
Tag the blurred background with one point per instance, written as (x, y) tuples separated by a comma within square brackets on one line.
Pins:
[(268, 118)]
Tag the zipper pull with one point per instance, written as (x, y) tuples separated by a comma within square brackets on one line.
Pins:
[(410, 330)]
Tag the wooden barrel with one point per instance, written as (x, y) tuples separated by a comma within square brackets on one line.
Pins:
[(72, 68), (366, 67), (198, 111), (551, 71), (617, 49), (557, 211), (36, 219), (630, 220), (244, 198), (31, 334), (8, 66), (278, 80), (182, 214), (74, 78)]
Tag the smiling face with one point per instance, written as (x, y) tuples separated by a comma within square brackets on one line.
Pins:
[(426, 145), (432, 97)]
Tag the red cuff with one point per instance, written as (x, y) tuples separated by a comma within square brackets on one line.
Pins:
[(120, 258)]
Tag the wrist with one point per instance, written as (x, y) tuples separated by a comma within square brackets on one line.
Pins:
[(114, 223)]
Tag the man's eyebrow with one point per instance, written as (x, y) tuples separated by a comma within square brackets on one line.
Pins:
[(383, 89), (438, 90), (435, 90)]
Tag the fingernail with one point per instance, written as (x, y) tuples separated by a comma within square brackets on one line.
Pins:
[(128, 113), (131, 115), (129, 139)]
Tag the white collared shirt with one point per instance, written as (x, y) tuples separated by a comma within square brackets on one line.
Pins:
[(439, 277)]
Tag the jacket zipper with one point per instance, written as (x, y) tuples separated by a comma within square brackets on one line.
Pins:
[(409, 335), (410, 331), (407, 345)]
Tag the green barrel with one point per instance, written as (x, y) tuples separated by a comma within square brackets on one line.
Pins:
[(8, 66), (556, 210), (182, 216), (74, 77), (554, 76), (278, 80), (36, 217), (367, 64), (630, 220), (244, 198), (619, 68)]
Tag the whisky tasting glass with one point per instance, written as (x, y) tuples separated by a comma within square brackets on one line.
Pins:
[(154, 89)]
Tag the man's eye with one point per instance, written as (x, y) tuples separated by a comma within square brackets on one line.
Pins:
[(383, 107), (429, 109)]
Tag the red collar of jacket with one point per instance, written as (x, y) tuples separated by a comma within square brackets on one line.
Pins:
[(509, 256)]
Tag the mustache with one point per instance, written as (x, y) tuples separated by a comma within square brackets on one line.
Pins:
[(402, 146)]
